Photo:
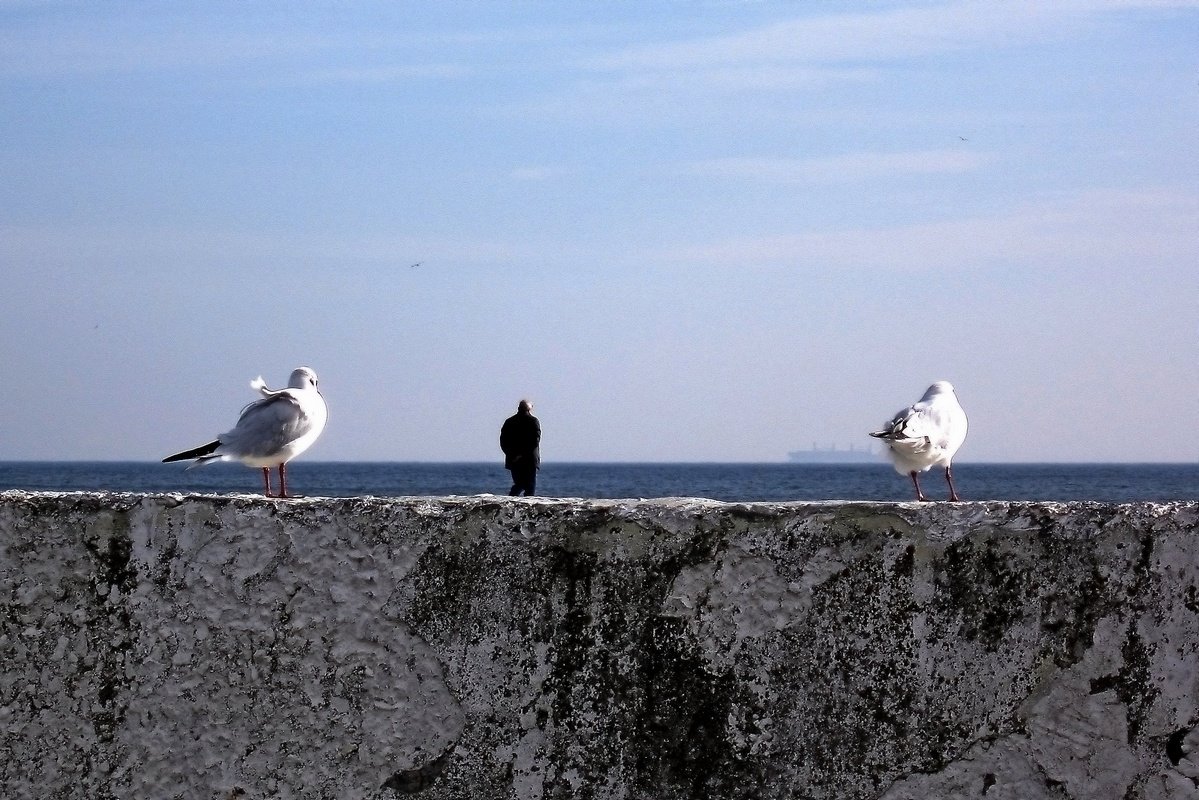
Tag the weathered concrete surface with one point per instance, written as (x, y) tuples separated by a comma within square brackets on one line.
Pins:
[(222, 647)]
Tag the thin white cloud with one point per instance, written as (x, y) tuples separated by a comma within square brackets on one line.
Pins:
[(386, 74), (1141, 4), (730, 79), (858, 37), (873, 36), (169, 38), (71, 247), (1099, 230), (850, 167), (808, 53), (71, 51)]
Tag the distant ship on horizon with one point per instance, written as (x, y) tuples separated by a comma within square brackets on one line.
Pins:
[(833, 455)]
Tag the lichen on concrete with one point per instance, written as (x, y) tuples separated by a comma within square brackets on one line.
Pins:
[(482, 647)]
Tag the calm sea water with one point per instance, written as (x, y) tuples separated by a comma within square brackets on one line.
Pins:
[(731, 482)]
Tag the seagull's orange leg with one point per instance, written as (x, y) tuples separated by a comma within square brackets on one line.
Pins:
[(266, 480)]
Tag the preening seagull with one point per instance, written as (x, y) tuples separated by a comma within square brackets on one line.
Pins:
[(271, 431), (926, 435)]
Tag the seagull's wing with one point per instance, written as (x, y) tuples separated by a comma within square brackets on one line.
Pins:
[(266, 426), (933, 423), (917, 428)]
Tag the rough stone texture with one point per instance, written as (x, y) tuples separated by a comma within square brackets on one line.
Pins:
[(222, 647)]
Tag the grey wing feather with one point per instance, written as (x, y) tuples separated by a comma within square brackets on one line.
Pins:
[(915, 427), (266, 426)]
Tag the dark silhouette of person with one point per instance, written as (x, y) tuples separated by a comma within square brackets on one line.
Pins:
[(520, 439)]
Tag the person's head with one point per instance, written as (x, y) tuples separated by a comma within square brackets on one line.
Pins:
[(525, 406)]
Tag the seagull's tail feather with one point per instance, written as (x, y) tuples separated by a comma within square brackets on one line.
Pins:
[(202, 460), (258, 384), (196, 452)]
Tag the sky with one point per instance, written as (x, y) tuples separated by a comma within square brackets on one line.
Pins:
[(687, 231)]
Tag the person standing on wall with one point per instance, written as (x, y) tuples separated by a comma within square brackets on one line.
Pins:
[(520, 439)]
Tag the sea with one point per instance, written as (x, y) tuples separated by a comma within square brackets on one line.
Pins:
[(1116, 483)]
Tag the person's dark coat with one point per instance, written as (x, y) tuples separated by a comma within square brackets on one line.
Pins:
[(520, 439)]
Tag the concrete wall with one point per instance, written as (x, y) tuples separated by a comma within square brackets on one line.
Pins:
[(224, 647)]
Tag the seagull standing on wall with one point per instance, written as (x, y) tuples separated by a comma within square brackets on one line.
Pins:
[(926, 435), (271, 431)]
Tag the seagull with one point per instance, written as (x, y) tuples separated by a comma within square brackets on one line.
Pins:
[(926, 435), (271, 431)]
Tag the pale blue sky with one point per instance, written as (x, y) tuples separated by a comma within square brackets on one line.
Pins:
[(711, 231)]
